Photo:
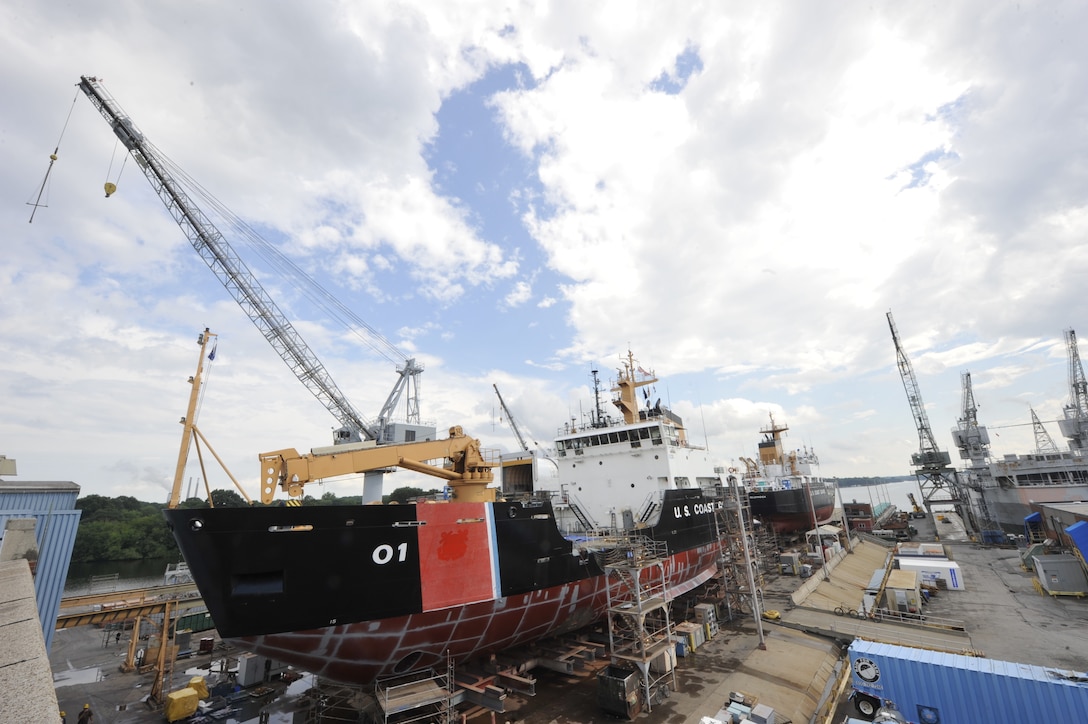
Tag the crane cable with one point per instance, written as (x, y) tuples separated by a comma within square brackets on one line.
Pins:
[(109, 186), (303, 282), (52, 159)]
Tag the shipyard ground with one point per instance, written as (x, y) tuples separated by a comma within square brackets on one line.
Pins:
[(1005, 617), (789, 674)]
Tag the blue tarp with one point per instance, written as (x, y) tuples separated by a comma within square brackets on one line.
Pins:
[(1078, 533)]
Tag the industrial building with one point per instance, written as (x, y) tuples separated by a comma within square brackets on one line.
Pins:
[(38, 523)]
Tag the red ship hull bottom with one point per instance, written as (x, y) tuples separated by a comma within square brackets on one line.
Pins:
[(363, 652), (797, 522)]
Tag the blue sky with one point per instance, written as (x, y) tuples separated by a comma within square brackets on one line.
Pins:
[(517, 195)]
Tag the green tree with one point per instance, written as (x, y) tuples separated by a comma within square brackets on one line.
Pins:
[(118, 529), (228, 499), (407, 495)]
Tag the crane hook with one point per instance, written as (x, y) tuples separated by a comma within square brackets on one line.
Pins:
[(110, 189)]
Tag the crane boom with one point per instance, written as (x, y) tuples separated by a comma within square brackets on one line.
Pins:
[(229, 268), (928, 451), (464, 465), (513, 423)]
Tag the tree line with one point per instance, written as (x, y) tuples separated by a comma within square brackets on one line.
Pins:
[(126, 529), (856, 482)]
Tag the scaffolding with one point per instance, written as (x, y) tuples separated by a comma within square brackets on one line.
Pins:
[(740, 572), (639, 626), (423, 695)]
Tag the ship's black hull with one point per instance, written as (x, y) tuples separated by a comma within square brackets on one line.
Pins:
[(789, 511), (284, 579)]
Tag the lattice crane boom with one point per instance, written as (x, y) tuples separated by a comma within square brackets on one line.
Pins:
[(1044, 443), (232, 272), (1074, 426), (929, 453), (510, 417)]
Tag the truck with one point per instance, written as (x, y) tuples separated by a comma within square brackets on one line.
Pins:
[(934, 687)]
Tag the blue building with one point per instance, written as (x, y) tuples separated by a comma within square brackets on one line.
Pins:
[(38, 522)]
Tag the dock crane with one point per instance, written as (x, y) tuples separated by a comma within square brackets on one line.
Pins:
[(233, 273), (972, 439), (973, 442), (938, 481), (513, 422), (1074, 424), (519, 468)]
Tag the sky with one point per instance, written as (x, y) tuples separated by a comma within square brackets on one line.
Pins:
[(517, 193)]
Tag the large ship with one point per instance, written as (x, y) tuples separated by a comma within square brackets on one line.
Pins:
[(1008, 488), (1003, 491), (785, 489), (356, 593)]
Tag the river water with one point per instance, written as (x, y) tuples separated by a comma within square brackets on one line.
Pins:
[(87, 578), (894, 493)]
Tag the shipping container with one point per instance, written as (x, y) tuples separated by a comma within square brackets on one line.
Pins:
[(932, 687), (935, 572)]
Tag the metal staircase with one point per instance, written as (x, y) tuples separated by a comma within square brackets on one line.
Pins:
[(640, 631)]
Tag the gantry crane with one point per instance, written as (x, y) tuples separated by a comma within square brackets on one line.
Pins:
[(229, 268), (937, 479), (1074, 424)]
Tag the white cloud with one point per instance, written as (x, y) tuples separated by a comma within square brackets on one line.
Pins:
[(822, 166)]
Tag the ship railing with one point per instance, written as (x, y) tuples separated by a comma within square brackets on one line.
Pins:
[(577, 509), (630, 549), (650, 506), (425, 691)]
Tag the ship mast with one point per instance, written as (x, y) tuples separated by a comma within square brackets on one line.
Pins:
[(770, 449), (629, 378)]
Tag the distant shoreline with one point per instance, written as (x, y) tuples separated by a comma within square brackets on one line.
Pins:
[(867, 482)]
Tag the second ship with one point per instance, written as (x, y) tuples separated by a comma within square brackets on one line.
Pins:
[(785, 489)]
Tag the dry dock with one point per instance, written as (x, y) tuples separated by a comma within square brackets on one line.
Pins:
[(794, 672)]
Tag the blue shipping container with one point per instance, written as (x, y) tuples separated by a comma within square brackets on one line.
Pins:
[(931, 687)]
